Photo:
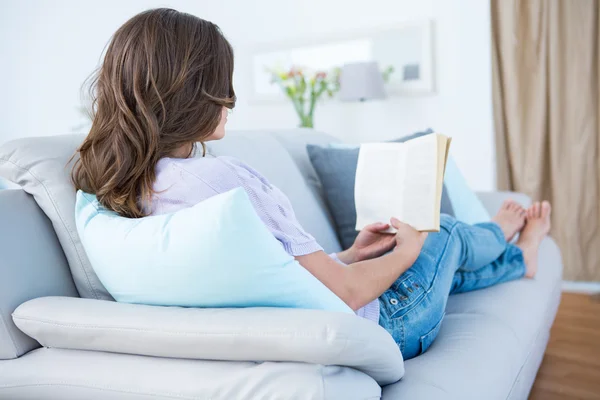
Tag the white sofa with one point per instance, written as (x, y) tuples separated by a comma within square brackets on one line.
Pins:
[(61, 336)]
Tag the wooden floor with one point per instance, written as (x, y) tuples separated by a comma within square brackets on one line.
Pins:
[(571, 366)]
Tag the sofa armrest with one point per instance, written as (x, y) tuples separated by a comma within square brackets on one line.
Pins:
[(493, 200), (244, 334)]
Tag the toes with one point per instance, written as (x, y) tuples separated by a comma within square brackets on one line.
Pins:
[(545, 209), (534, 211), (513, 207), (531, 211), (538, 209)]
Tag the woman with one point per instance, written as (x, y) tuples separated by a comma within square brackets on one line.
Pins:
[(166, 84)]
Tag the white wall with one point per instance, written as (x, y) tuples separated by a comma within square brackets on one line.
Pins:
[(47, 49)]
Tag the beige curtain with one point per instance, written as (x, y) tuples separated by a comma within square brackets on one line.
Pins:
[(546, 112)]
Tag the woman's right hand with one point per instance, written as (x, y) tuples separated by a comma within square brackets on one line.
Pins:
[(409, 241)]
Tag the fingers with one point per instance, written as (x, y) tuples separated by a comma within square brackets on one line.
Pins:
[(377, 227), (395, 222), (389, 244)]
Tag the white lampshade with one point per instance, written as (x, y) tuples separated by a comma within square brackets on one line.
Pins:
[(361, 81)]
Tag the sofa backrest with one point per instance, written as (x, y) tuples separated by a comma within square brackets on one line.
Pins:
[(31, 265), (39, 166)]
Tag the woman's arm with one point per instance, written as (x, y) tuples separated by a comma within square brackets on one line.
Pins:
[(357, 284), (372, 241), (362, 282)]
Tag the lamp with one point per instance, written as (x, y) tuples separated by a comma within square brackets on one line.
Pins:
[(361, 81)]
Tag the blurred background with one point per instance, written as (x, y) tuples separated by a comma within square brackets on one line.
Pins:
[(55, 45)]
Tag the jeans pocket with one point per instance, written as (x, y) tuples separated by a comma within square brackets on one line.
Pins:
[(428, 338), (402, 296)]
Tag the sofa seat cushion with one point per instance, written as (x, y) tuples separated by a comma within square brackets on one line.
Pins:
[(487, 338), (94, 375), (239, 334)]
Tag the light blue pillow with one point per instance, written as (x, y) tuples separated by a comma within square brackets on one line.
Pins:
[(217, 253), (465, 203)]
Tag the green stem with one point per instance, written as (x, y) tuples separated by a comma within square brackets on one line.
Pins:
[(314, 97), (300, 111), (298, 101)]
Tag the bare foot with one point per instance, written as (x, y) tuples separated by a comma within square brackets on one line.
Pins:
[(536, 228), (511, 218)]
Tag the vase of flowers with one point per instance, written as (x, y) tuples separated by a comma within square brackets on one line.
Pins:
[(304, 88)]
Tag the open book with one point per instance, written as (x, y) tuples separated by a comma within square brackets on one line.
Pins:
[(402, 180)]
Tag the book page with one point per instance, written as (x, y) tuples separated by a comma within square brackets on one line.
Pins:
[(420, 184), (378, 191), (443, 148)]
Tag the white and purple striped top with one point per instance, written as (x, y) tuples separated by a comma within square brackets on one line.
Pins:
[(181, 183)]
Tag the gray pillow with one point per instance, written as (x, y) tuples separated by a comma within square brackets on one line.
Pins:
[(336, 166), (39, 166)]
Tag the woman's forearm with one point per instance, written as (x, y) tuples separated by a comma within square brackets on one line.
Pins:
[(346, 256), (360, 283), (367, 280)]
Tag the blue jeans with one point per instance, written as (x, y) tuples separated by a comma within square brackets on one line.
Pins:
[(459, 258)]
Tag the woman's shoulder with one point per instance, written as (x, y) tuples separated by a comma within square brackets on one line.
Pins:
[(244, 170), (209, 167)]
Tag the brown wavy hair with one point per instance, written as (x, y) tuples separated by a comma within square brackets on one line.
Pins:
[(164, 81)]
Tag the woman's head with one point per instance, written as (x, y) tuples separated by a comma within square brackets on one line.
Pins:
[(165, 83)]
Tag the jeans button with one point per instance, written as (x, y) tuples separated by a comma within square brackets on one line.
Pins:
[(393, 301)]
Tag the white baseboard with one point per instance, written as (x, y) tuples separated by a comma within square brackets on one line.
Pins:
[(581, 287)]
